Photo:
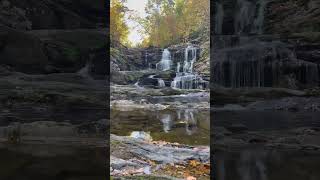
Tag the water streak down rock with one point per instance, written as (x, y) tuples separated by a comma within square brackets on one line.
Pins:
[(186, 79), (165, 63), (262, 64), (244, 56)]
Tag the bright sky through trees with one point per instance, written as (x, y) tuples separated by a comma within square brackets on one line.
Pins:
[(139, 7)]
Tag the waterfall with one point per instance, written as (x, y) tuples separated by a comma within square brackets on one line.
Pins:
[(146, 60), (165, 63), (249, 16), (178, 67), (258, 21), (187, 79), (243, 16), (219, 18), (262, 65), (85, 71), (161, 82), (188, 62)]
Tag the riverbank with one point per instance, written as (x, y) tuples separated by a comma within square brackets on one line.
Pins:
[(132, 156)]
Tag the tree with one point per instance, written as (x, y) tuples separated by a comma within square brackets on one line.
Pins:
[(170, 21), (119, 30)]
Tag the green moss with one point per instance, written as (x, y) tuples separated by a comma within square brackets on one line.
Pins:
[(72, 53), (308, 36)]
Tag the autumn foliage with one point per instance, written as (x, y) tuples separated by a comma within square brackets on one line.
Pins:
[(174, 21)]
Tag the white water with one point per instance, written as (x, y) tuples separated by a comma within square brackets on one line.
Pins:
[(258, 21), (84, 72), (249, 16), (178, 67), (146, 58), (243, 16), (219, 18), (165, 63), (161, 83), (188, 62), (187, 79)]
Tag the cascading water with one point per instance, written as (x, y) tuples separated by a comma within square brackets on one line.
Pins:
[(165, 63), (243, 16), (161, 83), (262, 64), (188, 64), (248, 17), (219, 18), (178, 67), (258, 21), (187, 79)]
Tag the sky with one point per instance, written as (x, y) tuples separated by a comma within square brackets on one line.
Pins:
[(138, 6)]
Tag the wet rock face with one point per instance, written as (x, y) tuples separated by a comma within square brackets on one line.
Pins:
[(30, 58), (251, 49), (53, 51), (60, 14), (263, 64), (266, 16)]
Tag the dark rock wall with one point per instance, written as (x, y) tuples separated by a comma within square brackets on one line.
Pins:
[(266, 43), (53, 36)]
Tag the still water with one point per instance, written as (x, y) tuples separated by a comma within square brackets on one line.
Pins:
[(186, 126)]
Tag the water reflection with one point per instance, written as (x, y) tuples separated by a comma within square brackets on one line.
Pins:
[(266, 164), (166, 119), (190, 121), (189, 126)]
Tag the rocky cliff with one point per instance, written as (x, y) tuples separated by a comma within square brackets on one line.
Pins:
[(53, 91), (41, 32), (271, 43)]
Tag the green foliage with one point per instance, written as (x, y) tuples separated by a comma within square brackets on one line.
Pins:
[(72, 53), (119, 30)]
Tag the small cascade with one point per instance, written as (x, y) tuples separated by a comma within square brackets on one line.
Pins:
[(248, 17), (178, 67), (258, 21), (187, 79), (188, 62), (165, 63), (146, 59), (267, 65), (139, 88), (243, 16), (84, 72), (161, 82)]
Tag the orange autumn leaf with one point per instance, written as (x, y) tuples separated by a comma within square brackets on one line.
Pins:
[(194, 163)]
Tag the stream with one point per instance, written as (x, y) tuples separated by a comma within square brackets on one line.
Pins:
[(183, 122)]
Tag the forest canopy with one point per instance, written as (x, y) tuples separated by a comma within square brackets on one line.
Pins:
[(166, 21), (118, 28)]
